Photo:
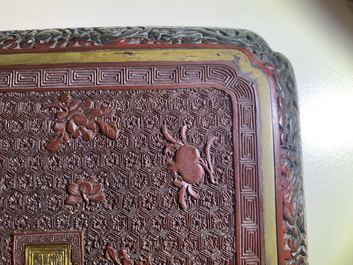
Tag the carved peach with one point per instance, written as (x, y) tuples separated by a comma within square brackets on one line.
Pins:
[(188, 164)]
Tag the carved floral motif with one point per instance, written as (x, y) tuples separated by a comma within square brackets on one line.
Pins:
[(123, 257), (79, 119), (187, 164), (84, 191)]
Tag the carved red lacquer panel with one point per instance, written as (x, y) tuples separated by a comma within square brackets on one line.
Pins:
[(155, 163), (121, 190)]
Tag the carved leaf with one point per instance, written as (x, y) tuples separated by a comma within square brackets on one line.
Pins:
[(71, 126), (59, 126), (72, 200), (97, 197), (169, 137), (61, 115), (96, 188), (107, 129), (80, 119), (111, 255), (181, 197), (77, 133), (66, 137), (177, 183), (87, 134), (183, 133), (91, 125), (193, 193), (87, 104), (74, 105), (57, 105), (124, 257), (73, 189), (65, 98), (106, 111), (85, 187), (96, 112), (73, 113), (54, 145)]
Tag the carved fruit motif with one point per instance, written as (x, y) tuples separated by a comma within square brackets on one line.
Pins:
[(123, 257), (84, 191), (187, 164), (79, 119)]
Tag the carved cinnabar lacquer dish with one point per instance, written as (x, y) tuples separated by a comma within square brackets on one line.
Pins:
[(148, 146)]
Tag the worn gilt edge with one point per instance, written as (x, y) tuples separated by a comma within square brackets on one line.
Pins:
[(73, 238), (292, 184)]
